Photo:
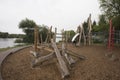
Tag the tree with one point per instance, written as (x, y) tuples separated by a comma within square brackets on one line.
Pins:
[(4, 34), (111, 9), (116, 22), (85, 26), (102, 24), (102, 19), (28, 28), (94, 23), (43, 31)]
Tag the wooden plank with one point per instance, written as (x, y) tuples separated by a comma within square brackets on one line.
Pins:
[(43, 59), (64, 69)]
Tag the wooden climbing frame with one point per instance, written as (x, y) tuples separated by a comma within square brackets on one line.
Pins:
[(63, 55)]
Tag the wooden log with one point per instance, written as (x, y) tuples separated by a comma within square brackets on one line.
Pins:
[(35, 39), (84, 36), (55, 34), (49, 35), (60, 70), (48, 49), (41, 39), (89, 29), (63, 35), (80, 35), (64, 69), (66, 40), (76, 55), (67, 57), (43, 59), (37, 36), (35, 54)]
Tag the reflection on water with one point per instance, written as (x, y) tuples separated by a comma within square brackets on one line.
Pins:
[(7, 42)]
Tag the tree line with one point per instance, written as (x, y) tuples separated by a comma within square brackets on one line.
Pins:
[(7, 35)]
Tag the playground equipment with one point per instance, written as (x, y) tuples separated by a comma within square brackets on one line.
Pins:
[(75, 36), (80, 33), (89, 30), (80, 30), (63, 55)]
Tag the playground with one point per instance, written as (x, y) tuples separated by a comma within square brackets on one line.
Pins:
[(97, 65), (79, 59)]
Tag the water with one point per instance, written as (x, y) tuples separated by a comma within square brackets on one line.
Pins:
[(58, 39), (7, 42)]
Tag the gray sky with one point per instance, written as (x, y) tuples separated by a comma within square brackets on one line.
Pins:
[(67, 14)]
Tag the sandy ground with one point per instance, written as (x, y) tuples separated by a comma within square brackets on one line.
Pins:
[(99, 65)]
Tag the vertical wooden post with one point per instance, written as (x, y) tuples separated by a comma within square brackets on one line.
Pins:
[(35, 42), (50, 34), (62, 35), (37, 35), (41, 39), (66, 40), (69, 36), (90, 29), (80, 34), (55, 34), (83, 34)]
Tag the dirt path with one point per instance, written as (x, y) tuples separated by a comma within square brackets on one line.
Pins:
[(97, 66)]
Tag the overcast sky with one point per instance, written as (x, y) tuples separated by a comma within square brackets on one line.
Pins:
[(67, 14)]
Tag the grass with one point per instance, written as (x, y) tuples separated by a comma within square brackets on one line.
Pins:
[(4, 49)]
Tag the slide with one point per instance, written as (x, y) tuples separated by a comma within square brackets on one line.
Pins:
[(74, 37)]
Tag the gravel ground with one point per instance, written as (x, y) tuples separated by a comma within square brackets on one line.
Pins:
[(99, 65)]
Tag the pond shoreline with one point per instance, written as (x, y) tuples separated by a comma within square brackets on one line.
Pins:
[(8, 42)]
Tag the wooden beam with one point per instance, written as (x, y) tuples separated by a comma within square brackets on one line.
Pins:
[(75, 54), (41, 39), (44, 48), (84, 35), (37, 35), (48, 49), (43, 59), (67, 57), (35, 39), (35, 54), (55, 34), (62, 64)]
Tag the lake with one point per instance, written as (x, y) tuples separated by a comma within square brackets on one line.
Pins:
[(7, 42)]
